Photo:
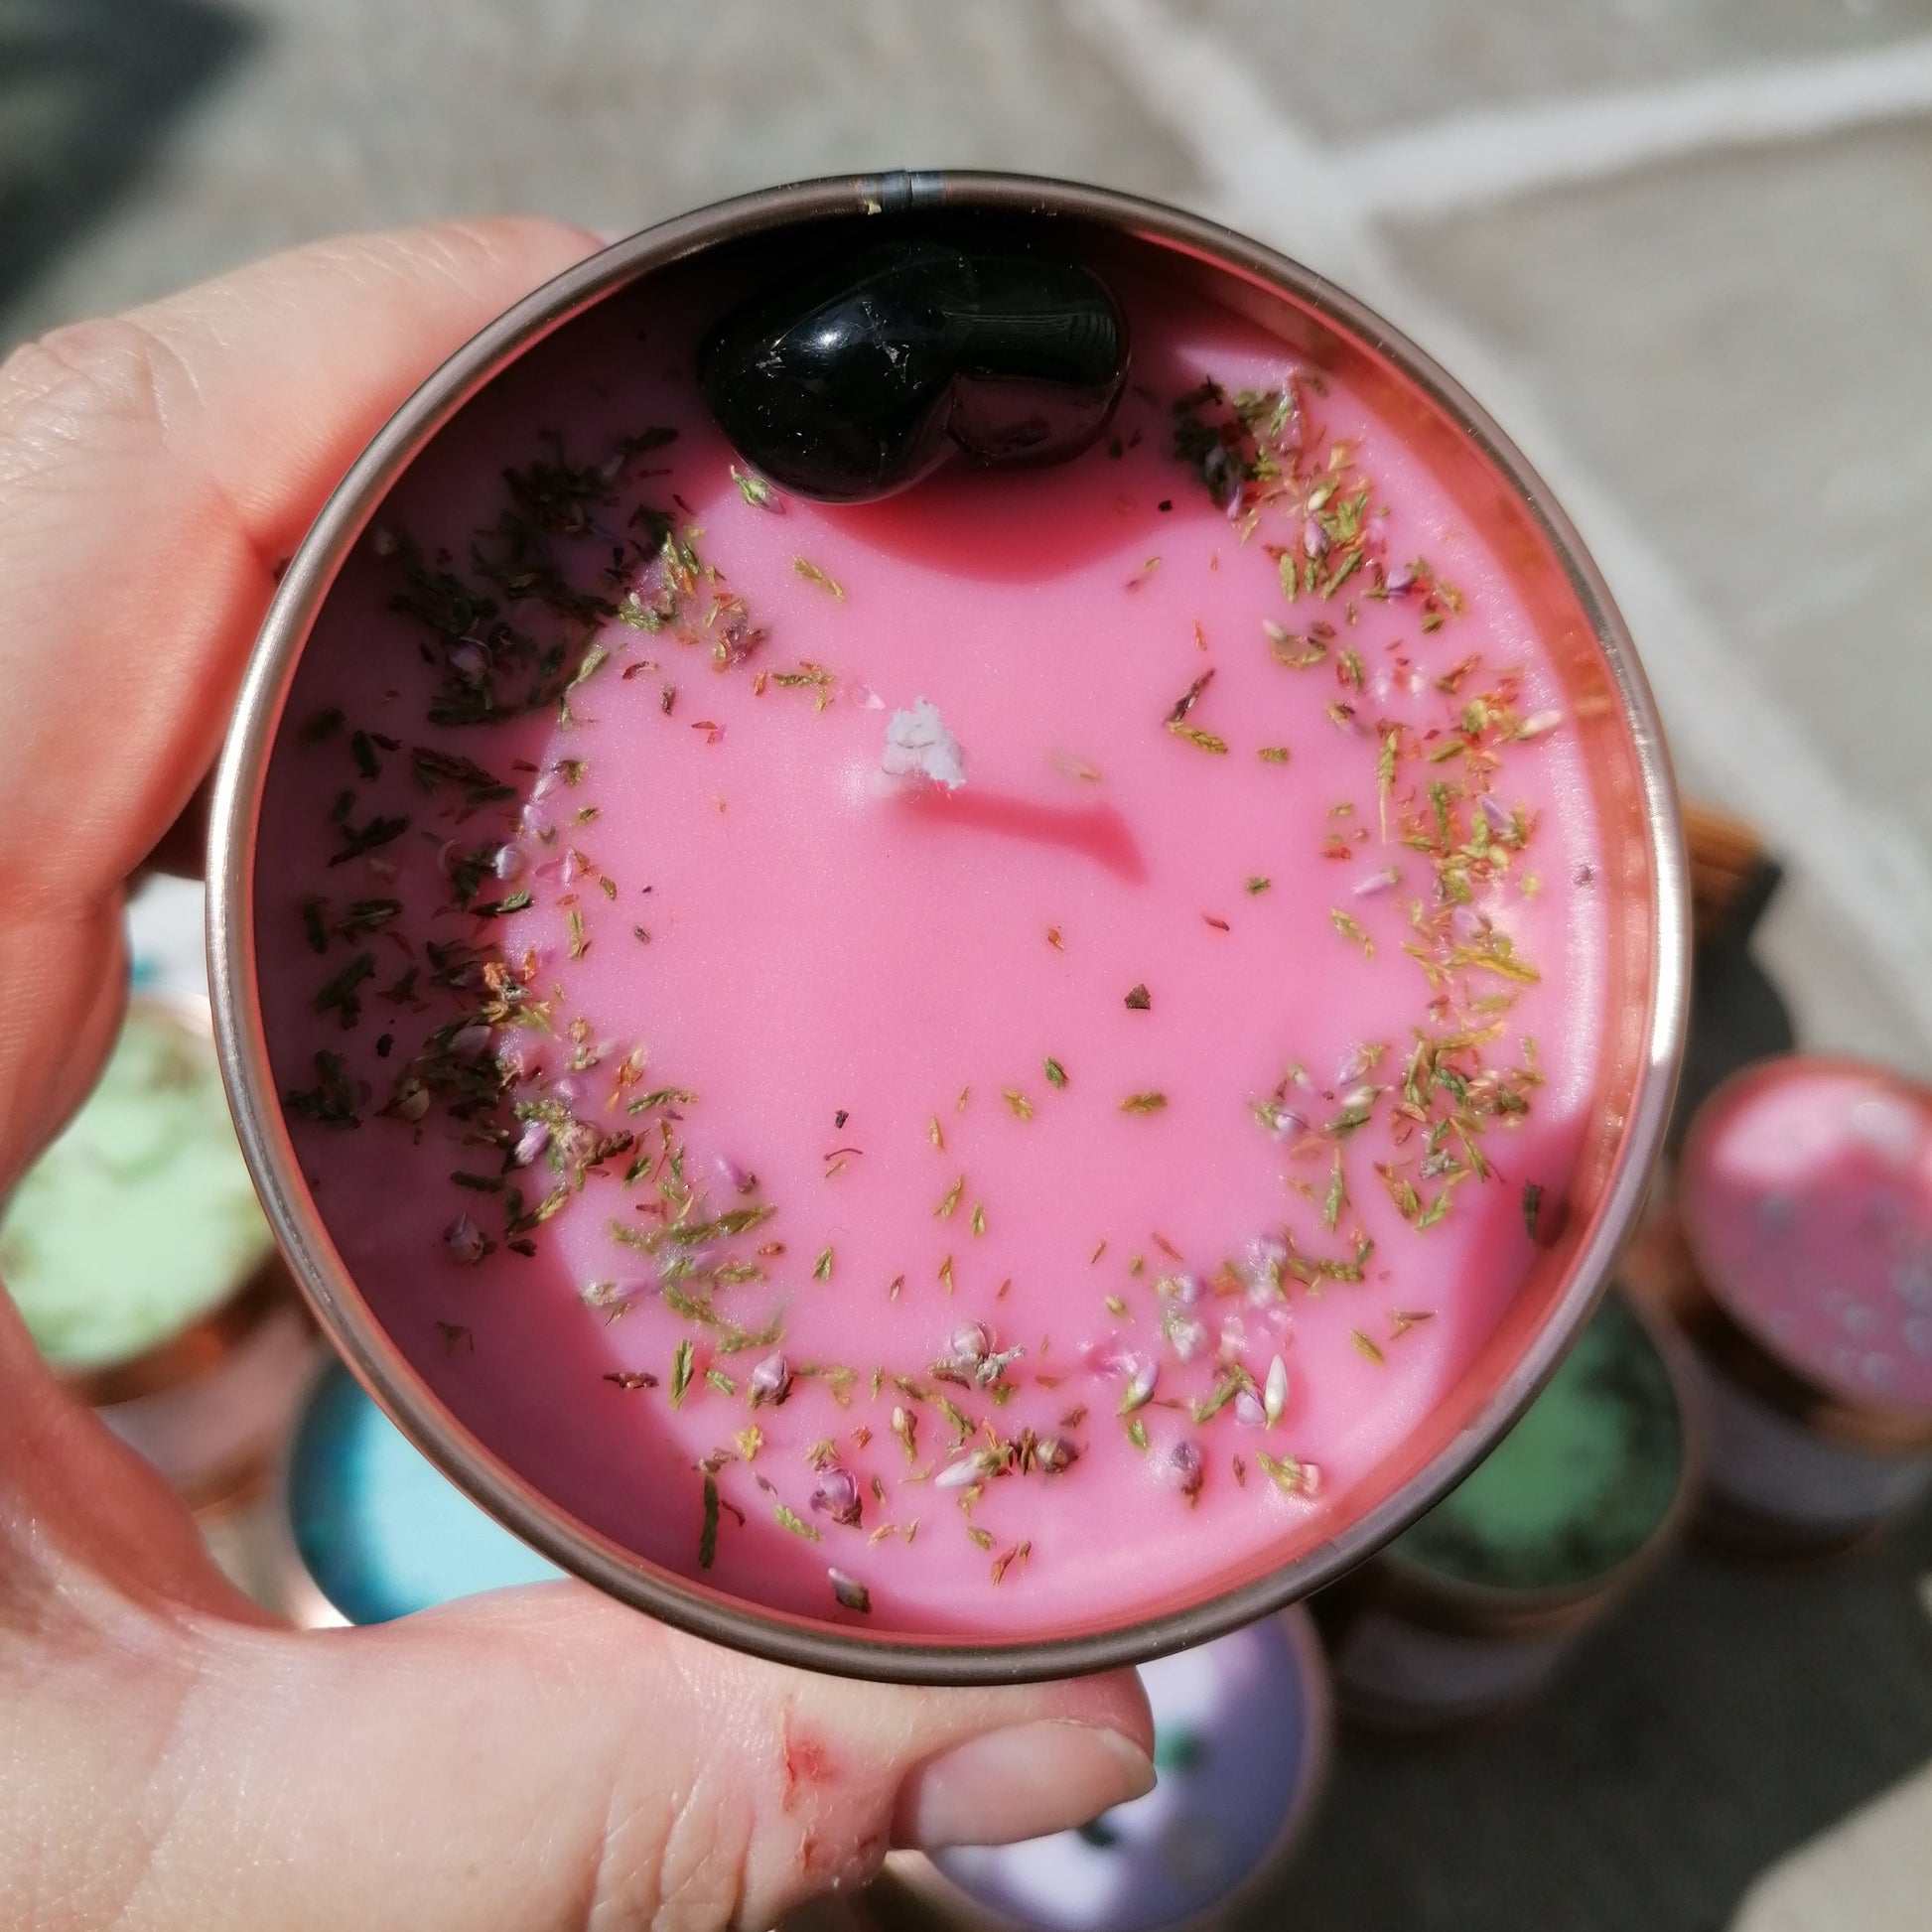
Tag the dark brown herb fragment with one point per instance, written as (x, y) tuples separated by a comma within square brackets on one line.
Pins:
[(340, 994), (1531, 1207), (708, 1536), (377, 833), (313, 910), (331, 1101)]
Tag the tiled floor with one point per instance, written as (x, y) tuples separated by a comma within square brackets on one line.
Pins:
[(1347, 71), (1712, 337)]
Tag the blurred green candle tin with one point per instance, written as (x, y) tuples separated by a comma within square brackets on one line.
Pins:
[(140, 1259), (141, 1218), (1469, 1612)]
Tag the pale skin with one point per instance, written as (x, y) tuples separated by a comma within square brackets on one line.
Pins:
[(169, 1757)]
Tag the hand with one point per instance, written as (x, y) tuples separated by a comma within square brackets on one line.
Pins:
[(170, 1757)]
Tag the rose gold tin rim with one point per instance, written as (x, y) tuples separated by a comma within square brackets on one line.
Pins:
[(251, 1089)]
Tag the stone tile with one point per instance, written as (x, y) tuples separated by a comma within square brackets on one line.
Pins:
[(88, 88), (1736, 346), (1350, 72), (361, 112), (1840, 1004)]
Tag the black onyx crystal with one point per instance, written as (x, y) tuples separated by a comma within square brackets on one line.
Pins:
[(857, 382)]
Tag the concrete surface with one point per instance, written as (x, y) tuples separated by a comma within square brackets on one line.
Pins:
[(1678, 246), (1350, 71)]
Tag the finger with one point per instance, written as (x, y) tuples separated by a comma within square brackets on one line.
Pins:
[(546, 1761), (84, 1521), (154, 471)]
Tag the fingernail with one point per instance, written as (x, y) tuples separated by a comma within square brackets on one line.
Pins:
[(1023, 1783)]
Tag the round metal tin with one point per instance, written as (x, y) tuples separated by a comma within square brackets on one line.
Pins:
[(1609, 701), (1415, 1651), (1795, 1468)]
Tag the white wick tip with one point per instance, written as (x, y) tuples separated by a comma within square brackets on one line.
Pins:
[(919, 745)]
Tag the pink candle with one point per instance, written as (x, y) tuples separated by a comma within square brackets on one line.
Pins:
[(984, 1067), (1807, 1199), (1805, 1203)]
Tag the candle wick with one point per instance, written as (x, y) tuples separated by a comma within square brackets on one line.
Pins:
[(919, 745)]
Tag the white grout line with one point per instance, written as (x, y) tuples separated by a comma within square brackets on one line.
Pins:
[(1263, 175), (1485, 157)]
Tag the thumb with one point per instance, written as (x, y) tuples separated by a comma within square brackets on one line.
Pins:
[(155, 470), (546, 1758)]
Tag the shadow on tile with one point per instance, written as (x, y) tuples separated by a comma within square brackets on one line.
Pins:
[(88, 88)]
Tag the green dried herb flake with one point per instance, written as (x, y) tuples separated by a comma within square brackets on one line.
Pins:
[(812, 573), (1352, 929)]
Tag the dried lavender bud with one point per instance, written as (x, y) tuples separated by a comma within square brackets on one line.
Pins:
[(1274, 1400), (771, 1381), (466, 1241), (1185, 1470), (956, 1475), (1143, 1372), (849, 1592), (970, 1343), (836, 1494)]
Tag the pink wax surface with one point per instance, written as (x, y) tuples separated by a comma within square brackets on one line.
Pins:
[(1806, 1195), (897, 1026)]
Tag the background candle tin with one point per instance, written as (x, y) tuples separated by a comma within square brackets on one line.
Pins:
[(1242, 1733), (145, 1270), (1816, 1367), (1468, 1613), (1643, 883), (367, 1530)]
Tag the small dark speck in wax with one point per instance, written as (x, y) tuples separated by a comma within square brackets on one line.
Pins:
[(383, 1046)]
